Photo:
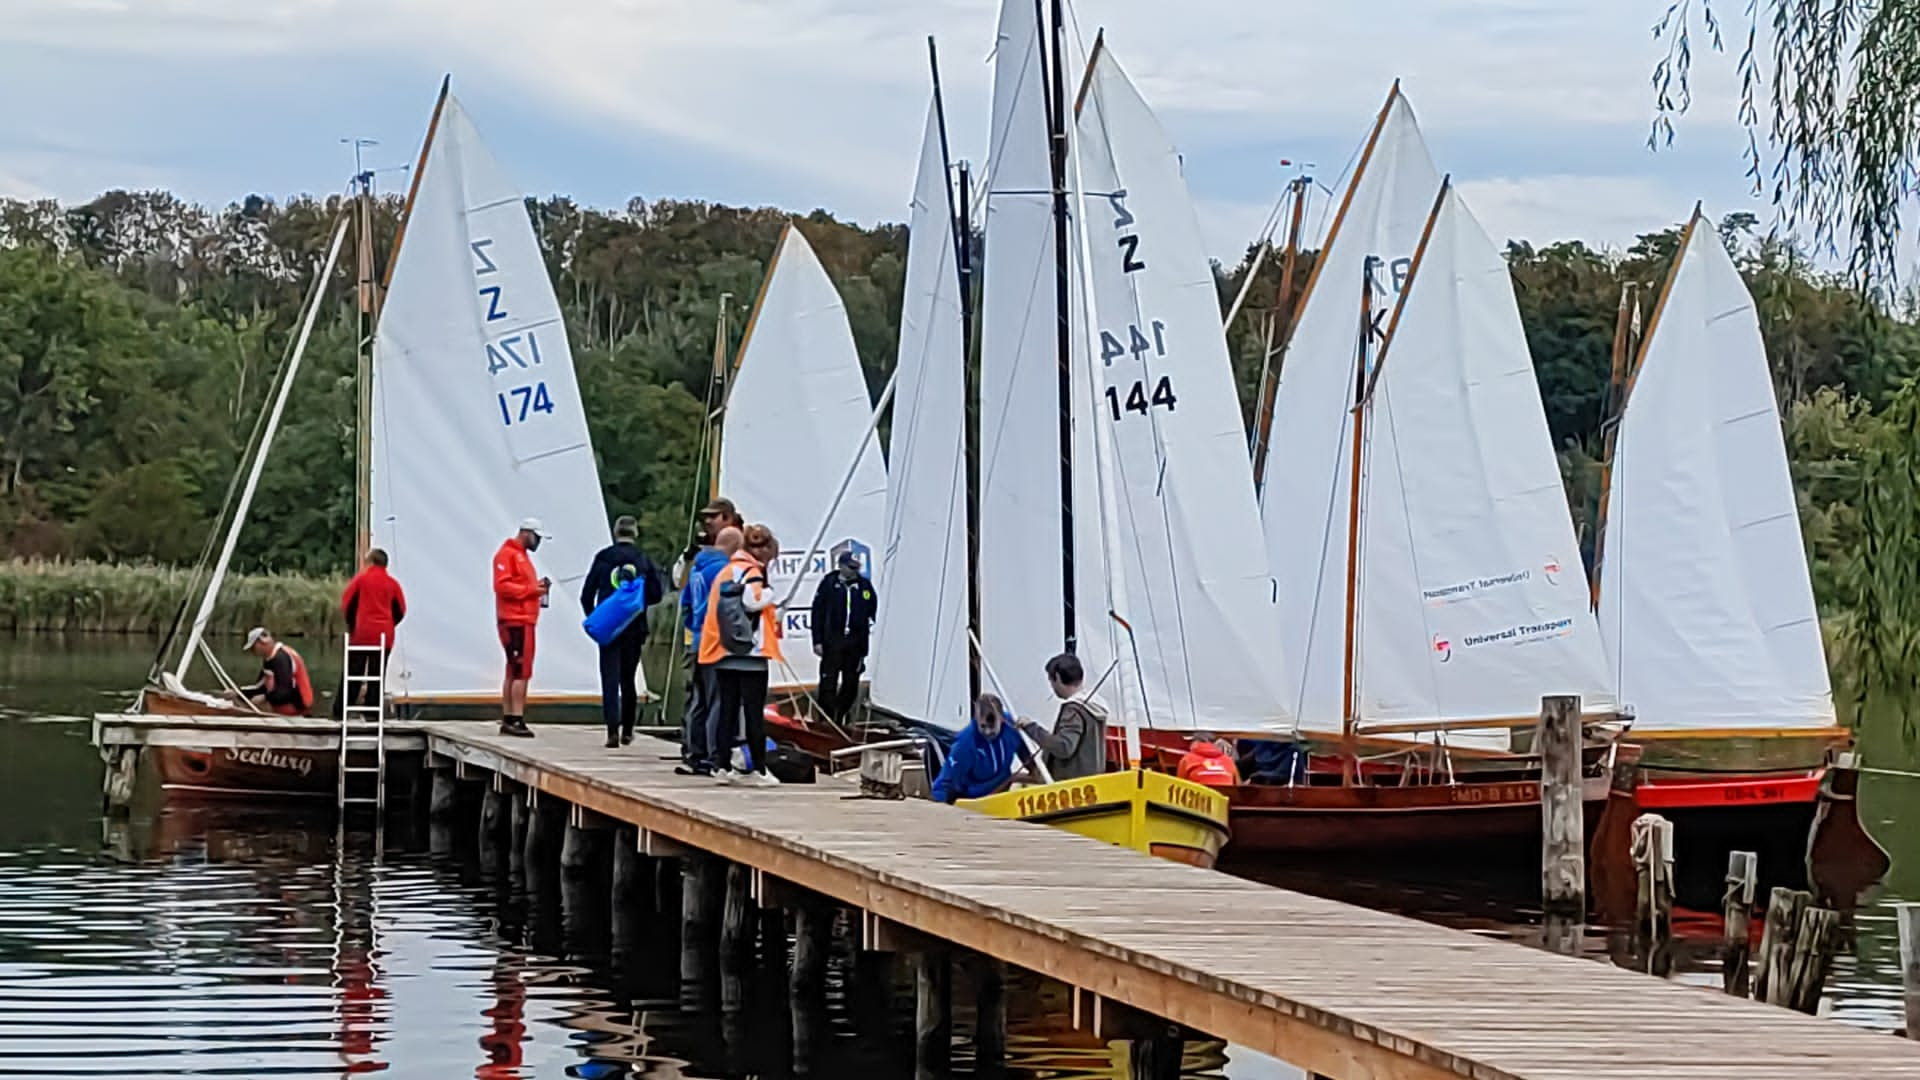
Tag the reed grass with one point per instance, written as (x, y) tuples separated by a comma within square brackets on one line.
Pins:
[(91, 597)]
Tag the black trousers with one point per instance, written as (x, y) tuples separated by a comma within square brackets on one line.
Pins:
[(702, 700), (742, 708), (619, 693), (359, 665), (839, 683)]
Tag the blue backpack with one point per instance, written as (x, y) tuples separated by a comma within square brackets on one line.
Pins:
[(617, 612)]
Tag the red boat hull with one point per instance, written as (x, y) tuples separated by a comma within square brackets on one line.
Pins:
[(1422, 818)]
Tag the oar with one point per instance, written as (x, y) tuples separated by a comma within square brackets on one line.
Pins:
[(1039, 761)]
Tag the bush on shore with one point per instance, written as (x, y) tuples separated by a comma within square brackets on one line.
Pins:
[(39, 595)]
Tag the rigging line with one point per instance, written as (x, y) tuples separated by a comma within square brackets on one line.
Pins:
[(996, 152), (1413, 550), (1320, 579)]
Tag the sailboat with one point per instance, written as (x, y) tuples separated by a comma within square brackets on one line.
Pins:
[(797, 443), (1701, 581), (1418, 533), (475, 423)]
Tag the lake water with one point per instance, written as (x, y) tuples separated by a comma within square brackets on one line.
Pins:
[(257, 942)]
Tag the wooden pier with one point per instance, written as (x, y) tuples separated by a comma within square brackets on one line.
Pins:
[(1147, 945)]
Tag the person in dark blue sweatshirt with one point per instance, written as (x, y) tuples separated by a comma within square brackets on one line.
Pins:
[(981, 759), (616, 564)]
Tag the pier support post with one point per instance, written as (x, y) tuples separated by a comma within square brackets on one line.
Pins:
[(444, 800), (1563, 864), (631, 884), (990, 1014), (1773, 970), (806, 981), (1742, 874), (737, 927), (1653, 864), (932, 1014), (1155, 1058), (496, 816), (539, 849), (1815, 940), (581, 850), (1908, 918), (700, 898), (123, 774), (517, 825), (773, 938)]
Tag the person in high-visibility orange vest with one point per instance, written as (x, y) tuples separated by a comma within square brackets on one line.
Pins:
[(1206, 762)]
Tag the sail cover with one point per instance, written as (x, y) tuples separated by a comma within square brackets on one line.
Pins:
[(1471, 601), (796, 418), (920, 650), (1205, 644), (1705, 598), (1304, 502), (1020, 569), (477, 424)]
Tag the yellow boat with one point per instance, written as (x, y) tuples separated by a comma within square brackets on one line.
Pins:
[(1146, 811)]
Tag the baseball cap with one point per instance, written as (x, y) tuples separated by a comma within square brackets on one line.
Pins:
[(718, 506), (849, 560), (625, 527), (533, 526), (254, 635)]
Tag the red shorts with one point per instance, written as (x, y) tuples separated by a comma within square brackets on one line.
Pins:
[(517, 640)]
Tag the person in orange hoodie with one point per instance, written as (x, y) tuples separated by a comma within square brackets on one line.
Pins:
[(1206, 762), (519, 592), (740, 640)]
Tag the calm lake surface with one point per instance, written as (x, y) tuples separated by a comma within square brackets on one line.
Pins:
[(254, 941)]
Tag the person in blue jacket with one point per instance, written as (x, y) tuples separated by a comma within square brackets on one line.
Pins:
[(981, 759), (615, 565), (702, 696)]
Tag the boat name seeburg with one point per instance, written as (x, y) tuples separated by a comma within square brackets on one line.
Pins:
[(269, 759), (1467, 588)]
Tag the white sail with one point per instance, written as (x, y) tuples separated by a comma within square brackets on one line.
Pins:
[(1471, 601), (1206, 635), (477, 423), (1020, 549), (796, 421), (918, 666), (1705, 599), (1305, 497)]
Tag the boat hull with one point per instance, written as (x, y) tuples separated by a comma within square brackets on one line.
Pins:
[(1148, 811), (1428, 819)]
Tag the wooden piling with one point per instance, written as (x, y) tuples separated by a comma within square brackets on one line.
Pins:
[(1815, 939), (702, 885), (444, 800), (807, 978), (737, 927), (538, 849), (1908, 918), (517, 837), (1157, 1057), (932, 1014), (630, 878), (773, 938), (496, 818), (579, 851), (1773, 979), (1742, 875), (1563, 864), (1653, 865), (990, 1014), (123, 773)]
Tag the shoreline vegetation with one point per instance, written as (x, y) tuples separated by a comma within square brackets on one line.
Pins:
[(59, 596)]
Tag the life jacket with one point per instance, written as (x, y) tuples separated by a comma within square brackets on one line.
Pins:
[(1205, 764), (302, 681), (740, 574)]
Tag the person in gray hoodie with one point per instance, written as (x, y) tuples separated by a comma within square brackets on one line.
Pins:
[(1077, 745)]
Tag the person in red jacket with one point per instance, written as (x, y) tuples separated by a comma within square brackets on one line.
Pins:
[(1206, 762), (374, 606), (519, 592)]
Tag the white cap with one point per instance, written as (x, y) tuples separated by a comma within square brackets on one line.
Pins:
[(533, 526), (254, 635)]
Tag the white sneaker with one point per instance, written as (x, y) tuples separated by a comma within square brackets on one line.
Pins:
[(760, 779), (723, 776)]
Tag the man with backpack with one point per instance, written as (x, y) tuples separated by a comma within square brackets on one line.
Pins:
[(622, 565), (695, 571), (739, 638)]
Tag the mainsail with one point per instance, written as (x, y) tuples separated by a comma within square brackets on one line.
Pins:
[(477, 423), (796, 422), (1021, 576), (1193, 581), (919, 660), (1705, 599), (1471, 604), (1304, 503)]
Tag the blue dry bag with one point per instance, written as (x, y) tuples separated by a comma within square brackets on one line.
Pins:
[(617, 612)]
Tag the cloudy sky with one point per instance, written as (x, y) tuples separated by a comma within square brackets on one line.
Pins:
[(1540, 108)]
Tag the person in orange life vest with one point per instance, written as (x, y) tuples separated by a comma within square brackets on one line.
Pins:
[(284, 685), (740, 678), (519, 592), (1205, 762), (374, 605)]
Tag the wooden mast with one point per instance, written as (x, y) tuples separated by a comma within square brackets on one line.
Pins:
[(1282, 304), (717, 394), (1610, 408), (958, 215), (1618, 405), (1364, 380), (1062, 297), (1264, 433)]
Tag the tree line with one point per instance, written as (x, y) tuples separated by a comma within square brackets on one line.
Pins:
[(140, 335)]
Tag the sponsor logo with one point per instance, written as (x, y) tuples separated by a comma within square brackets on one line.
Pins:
[(1463, 590), (1521, 634), (1551, 570), (1442, 648)]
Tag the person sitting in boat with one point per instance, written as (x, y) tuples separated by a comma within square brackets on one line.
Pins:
[(284, 685), (980, 762), (1209, 761), (1077, 745)]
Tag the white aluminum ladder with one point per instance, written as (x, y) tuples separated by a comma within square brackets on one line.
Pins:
[(363, 729)]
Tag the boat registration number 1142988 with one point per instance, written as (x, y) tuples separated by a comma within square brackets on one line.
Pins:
[(1048, 802)]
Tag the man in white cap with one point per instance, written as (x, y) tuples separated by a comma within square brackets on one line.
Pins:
[(284, 685), (519, 592)]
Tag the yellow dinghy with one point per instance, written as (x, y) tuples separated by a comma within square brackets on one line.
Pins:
[(1147, 811)]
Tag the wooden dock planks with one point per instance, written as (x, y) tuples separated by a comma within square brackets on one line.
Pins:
[(1340, 990)]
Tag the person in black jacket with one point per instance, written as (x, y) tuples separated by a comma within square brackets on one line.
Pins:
[(843, 608), (616, 564)]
